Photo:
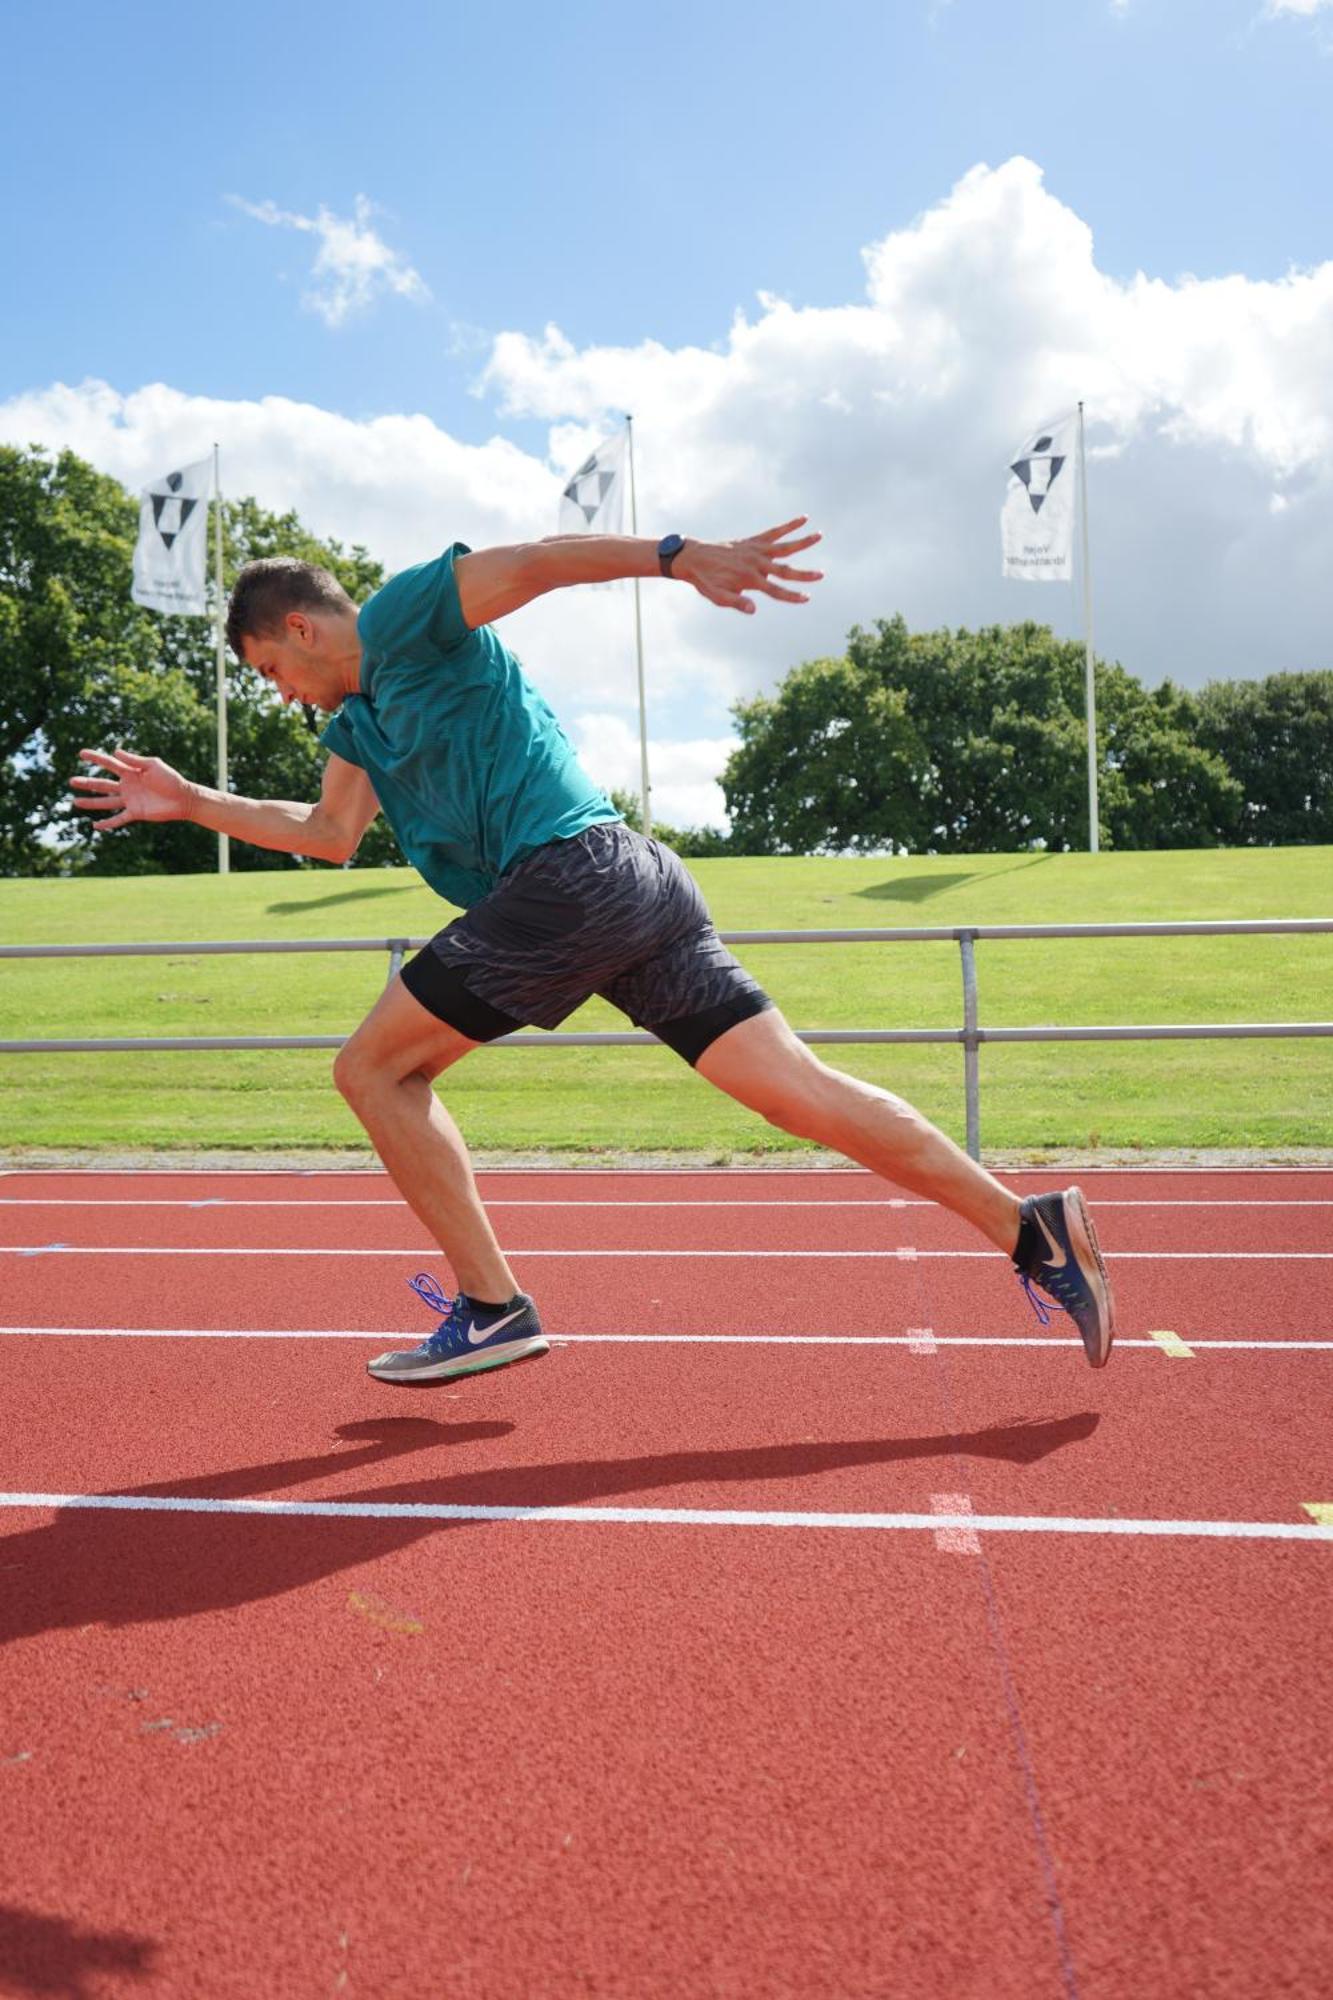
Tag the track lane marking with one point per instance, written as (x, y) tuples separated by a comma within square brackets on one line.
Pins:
[(1172, 1344), (953, 1540), (903, 1253), (381, 1201), (701, 1517), (792, 1172), (914, 1339)]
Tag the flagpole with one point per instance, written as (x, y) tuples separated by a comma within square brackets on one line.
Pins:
[(224, 845), (638, 637), (1087, 635)]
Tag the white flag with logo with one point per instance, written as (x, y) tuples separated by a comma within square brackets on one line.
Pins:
[(1037, 520), (593, 503), (171, 554)]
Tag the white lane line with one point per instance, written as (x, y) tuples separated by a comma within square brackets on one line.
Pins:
[(380, 1201), (341, 1201), (905, 1253), (692, 1517), (953, 1540), (918, 1340), (586, 1174)]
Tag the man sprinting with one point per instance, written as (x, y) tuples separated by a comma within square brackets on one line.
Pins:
[(436, 725)]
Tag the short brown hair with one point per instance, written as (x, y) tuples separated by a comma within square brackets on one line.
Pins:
[(267, 590)]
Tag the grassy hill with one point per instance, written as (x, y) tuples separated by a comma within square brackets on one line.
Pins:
[(1277, 1094)]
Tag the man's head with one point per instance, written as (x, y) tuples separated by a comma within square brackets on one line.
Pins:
[(295, 624)]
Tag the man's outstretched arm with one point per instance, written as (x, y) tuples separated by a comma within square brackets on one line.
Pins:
[(493, 582), (130, 787)]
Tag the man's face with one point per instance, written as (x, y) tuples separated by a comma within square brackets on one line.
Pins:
[(292, 660)]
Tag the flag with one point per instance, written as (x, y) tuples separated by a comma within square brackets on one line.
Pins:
[(593, 503), (1037, 519), (171, 554)]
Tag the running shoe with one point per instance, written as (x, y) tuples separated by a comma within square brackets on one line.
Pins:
[(468, 1339), (1058, 1251)]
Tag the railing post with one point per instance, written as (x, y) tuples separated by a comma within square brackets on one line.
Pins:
[(971, 1044), (397, 946)]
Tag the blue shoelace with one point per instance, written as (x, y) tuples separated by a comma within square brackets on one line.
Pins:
[(1035, 1300), (1061, 1287), (428, 1291)]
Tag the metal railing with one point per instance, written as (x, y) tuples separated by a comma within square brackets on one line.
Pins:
[(971, 1035)]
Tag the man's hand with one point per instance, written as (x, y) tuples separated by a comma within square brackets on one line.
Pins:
[(723, 571), (138, 788)]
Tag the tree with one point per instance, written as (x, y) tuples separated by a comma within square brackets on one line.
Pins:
[(67, 626), (968, 742), (1159, 785), (832, 763), (995, 714), (81, 665), (1276, 736)]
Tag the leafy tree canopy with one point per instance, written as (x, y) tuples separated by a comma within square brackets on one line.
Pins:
[(1276, 737), (970, 742), (84, 667)]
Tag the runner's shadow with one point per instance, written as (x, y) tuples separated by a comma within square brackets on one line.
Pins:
[(51, 1955), (131, 1566)]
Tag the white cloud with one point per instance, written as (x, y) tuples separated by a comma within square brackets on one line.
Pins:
[(1304, 7), (889, 419), (399, 485), (353, 265), (682, 775)]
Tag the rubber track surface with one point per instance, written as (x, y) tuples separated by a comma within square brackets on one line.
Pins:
[(307, 1754)]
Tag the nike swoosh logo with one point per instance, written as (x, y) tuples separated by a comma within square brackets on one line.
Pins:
[(476, 1334), (1057, 1257)]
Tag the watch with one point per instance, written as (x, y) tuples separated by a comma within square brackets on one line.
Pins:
[(668, 549)]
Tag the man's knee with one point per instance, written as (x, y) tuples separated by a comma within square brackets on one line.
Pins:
[(367, 1063), (795, 1098), (353, 1074)]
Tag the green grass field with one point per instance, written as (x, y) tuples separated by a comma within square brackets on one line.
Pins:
[(1164, 1095)]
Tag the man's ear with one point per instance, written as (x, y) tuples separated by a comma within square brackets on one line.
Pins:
[(298, 626)]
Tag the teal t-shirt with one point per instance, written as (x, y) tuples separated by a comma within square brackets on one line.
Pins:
[(471, 768)]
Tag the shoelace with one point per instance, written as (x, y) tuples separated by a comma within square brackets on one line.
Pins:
[(428, 1291), (1060, 1287), (1035, 1300)]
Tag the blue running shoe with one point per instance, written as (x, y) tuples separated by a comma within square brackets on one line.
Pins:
[(1058, 1250), (468, 1338)]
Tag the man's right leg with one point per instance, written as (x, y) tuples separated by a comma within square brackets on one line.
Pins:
[(385, 1071)]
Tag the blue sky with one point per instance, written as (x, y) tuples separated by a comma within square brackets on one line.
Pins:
[(628, 172), (638, 177)]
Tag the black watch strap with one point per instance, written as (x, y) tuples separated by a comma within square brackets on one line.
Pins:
[(668, 549)]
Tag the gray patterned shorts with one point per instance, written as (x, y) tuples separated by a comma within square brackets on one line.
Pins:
[(604, 912)]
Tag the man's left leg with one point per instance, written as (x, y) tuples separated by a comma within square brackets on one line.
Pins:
[(762, 1064)]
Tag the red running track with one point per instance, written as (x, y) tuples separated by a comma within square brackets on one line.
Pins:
[(420, 1754)]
